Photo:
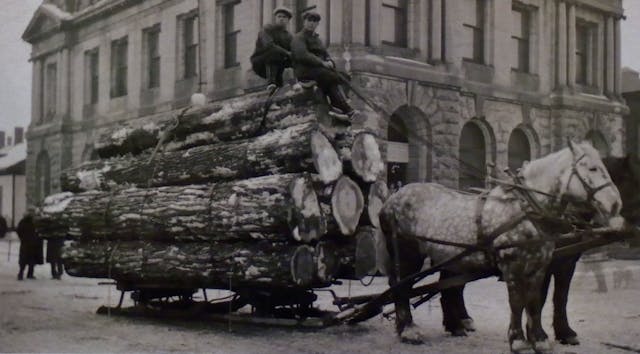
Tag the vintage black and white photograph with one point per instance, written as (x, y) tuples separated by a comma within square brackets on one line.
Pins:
[(320, 176)]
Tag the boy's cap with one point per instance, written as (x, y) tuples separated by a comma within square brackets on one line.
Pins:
[(311, 15), (284, 10)]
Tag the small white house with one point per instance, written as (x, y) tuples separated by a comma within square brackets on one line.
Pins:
[(13, 192)]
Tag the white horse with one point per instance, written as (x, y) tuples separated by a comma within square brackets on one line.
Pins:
[(428, 220)]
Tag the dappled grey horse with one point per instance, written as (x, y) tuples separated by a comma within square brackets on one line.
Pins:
[(429, 220), (625, 174)]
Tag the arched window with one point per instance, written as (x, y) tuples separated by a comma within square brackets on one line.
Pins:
[(599, 142), (519, 149), (43, 176), (472, 157), (397, 153)]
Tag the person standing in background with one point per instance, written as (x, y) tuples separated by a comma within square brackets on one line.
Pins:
[(30, 247)]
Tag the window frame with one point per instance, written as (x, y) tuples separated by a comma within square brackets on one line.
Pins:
[(230, 39), (92, 70), (478, 29), (401, 30), (524, 42), (51, 82), (119, 67), (191, 45), (152, 58), (583, 53)]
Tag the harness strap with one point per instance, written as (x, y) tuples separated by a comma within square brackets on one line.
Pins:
[(489, 252), (482, 200)]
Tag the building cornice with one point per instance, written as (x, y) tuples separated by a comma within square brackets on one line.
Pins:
[(105, 10)]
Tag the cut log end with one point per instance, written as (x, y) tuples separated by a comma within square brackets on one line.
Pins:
[(303, 268), (325, 158), (347, 204), (306, 220), (327, 261), (378, 194), (366, 158)]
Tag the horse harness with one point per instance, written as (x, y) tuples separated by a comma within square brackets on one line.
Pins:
[(591, 191)]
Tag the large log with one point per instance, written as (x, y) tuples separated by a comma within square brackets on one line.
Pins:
[(197, 265), (299, 148), (275, 207), (228, 120), (377, 194), (347, 203), (361, 154), (366, 159)]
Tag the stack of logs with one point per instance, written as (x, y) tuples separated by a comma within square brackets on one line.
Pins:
[(224, 194)]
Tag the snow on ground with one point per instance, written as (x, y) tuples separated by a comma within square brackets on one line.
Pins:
[(46, 315)]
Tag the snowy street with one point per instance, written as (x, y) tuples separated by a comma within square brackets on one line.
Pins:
[(46, 315)]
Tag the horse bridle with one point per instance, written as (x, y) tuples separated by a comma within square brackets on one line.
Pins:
[(591, 191)]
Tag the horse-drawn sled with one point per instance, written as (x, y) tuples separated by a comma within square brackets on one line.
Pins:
[(272, 207)]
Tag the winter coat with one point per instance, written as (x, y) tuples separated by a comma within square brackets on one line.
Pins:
[(54, 250), (3, 226), (30, 243), (307, 52), (273, 46)]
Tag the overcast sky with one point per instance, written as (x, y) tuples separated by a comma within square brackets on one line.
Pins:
[(15, 70)]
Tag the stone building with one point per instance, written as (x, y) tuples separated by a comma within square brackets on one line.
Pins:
[(469, 83)]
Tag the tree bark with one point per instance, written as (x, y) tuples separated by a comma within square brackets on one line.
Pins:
[(295, 149), (233, 119), (197, 264), (270, 207)]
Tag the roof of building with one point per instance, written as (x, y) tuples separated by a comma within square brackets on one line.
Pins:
[(12, 159)]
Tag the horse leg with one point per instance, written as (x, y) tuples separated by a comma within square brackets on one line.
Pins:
[(453, 308), (465, 319), (411, 263), (517, 341), (535, 334), (563, 274)]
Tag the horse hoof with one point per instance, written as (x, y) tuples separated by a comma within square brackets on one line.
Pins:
[(543, 347), (569, 340), (468, 324), (412, 335), (458, 332), (520, 346)]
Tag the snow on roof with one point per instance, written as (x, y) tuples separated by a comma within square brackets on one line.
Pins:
[(56, 11), (12, 155)]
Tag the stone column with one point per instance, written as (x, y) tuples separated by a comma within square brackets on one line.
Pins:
[(36, 91), (571, 45), (336, 13), (64, 81), (561, 67), (358, 21), (599, 77), (617, 85), (436, 22), (375, 16), (267, 11), (610, 70)]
